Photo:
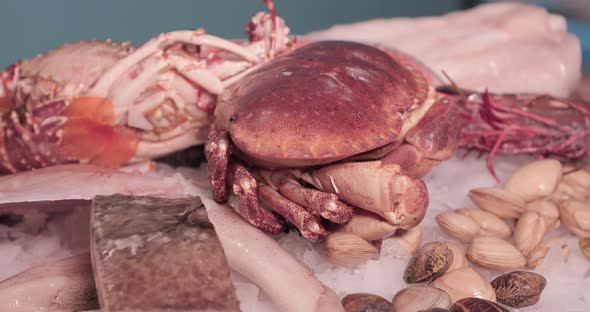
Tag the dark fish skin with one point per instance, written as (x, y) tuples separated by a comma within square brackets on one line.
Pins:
[(158, 254)]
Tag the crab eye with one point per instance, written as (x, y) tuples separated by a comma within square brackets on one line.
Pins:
[(232, 119)]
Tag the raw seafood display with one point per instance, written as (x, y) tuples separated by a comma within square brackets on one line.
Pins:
[(107, 103), (385, 128), (302, 128)]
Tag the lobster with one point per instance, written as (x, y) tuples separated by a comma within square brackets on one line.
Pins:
[(540, 125), (107, 103)]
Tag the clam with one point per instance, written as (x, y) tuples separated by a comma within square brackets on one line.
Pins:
[(576, 216), (369, 226), (548, 210), (529, 232), (418, 298), (409, 239), (495, 253), (498, 202), (464, 282), (476, 305), (458, 226), (535, 180), (348, 249), (579, 177), (430, 261), (363, 302), (519, 288), (459, 259), (489, 223), (567, 190), (585, 246)]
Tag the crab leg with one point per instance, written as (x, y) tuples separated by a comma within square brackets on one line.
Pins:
[(307, 223), (245, 187), (375, 186), (217, 153), (317, 202)]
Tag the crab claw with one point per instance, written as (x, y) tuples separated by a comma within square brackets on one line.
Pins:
[(378, 187)]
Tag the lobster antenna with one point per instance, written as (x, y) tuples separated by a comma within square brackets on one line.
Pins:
[(454, 85), (273, 33)]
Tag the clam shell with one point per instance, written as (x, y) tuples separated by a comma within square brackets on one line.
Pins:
[(519, 288), (458, 226), (529, 232), (476, 305), (409, 239), (576, 217), (459, 259), (369, 226), (585, 246), (548, 210), (579, 177), (463, 283), (498, 202), (348, 249), (430, 261), (418, 298), (495, 253), (362, 302), (535, 180), (489, 223)]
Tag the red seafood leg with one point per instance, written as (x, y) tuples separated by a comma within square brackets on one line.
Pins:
[(245, 187), (307, 223), (378, 187), (217, 152), (90, 134), (317, 202)]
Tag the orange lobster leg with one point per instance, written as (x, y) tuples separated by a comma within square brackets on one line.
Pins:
[(91, 134)]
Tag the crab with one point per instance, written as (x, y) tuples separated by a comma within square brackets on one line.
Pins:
[(326, 129)]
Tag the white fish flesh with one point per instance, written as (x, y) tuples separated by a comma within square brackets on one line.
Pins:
[(505, 47)]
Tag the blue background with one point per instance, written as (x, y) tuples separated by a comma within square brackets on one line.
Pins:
[(28, 27)]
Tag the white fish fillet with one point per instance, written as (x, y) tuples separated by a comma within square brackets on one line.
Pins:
[(505, 47), (82, 182)]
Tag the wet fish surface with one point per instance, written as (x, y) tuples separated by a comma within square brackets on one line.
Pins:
[(158, 254)]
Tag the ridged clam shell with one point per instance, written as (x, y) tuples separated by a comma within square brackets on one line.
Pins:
[(464, 282), (430, 261), (458, 226), (489, 223), (348, 249), (519, 288), (498, 202), (535, 180), (418, 298), (495, 253), (529, 232)]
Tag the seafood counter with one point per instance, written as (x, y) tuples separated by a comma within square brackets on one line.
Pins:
[(330, 172)]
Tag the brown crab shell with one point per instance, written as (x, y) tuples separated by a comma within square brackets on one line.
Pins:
[(321, 103)]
